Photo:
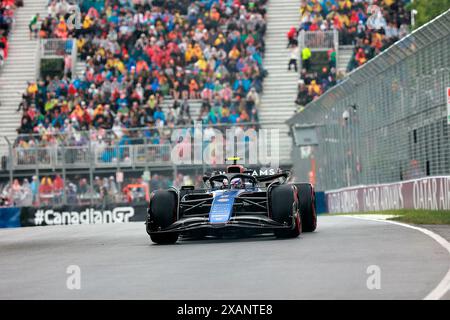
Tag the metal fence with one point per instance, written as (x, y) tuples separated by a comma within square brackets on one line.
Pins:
[(85, 187), (387, 120), (56, 47), (110, 148), (318, 40), (109, 156)]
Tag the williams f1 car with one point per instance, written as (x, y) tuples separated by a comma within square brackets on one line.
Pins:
[(232, 201)]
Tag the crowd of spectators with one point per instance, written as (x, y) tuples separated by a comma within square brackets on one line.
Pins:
[(138, 54), (77, 190), (369, 25), (7, 9)]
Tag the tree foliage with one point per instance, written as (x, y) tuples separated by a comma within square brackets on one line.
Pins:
[(428, 9)]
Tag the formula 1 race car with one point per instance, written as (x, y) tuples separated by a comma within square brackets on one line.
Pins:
[(232, 201)]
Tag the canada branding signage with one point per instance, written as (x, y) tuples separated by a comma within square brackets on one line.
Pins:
[(72, 214), (87, 216)]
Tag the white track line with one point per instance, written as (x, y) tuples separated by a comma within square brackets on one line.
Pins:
[(444, 285)]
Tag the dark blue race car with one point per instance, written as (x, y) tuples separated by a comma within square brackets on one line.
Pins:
[(233, 202)]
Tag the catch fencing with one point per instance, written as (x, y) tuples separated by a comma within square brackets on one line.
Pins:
[(386, 121)]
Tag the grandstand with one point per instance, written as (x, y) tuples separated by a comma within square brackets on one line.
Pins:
[(80, 102), (18, 68), (222, 63), (363, 28)]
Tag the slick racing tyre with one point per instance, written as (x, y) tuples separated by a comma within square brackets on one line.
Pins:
[(284, 207), (161, 214), (307, 206)]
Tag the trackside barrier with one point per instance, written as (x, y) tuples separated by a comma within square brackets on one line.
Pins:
[(86, 214), (9, 217), (67, 215), (430, 193), (321, 202)]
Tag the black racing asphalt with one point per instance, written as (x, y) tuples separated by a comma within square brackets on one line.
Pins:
[(118, 261)]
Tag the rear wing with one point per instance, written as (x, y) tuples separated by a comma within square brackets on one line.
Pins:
[(249, 175), (268, 178)]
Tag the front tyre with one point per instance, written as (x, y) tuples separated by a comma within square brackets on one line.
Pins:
[(162, 212), (284, 206), (164, 238)]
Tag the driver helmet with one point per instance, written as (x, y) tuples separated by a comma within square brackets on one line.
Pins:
[(236, 183)]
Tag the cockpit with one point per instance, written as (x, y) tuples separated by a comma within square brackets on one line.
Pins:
[(237, 181)]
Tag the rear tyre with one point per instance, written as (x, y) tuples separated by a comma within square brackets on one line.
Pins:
[(284, 206), (307, 206), (161, 214)]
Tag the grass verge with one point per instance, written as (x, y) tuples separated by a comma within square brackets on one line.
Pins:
[(411, 216)]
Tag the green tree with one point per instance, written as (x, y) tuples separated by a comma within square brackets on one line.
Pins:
[(428, 9)]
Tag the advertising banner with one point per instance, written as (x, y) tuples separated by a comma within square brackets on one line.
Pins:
[(430, 193), (9, 217), (448, 105), (82, 214), (70, 214)]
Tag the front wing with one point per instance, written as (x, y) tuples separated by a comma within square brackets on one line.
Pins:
[(238, 222)]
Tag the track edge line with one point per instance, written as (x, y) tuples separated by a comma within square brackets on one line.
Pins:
[(444, 285)]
